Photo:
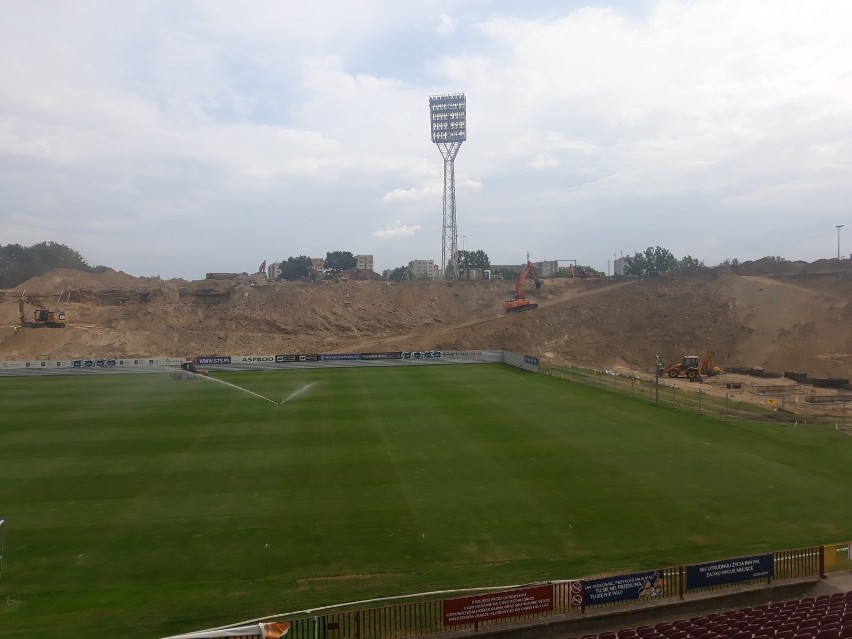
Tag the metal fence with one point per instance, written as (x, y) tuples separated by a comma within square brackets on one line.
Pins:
[(691, 397), (418, 618)]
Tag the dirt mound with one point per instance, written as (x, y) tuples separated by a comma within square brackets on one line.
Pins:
[(65, 279), (778, 315)]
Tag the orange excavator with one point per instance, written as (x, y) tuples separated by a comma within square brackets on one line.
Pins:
[(519, 302)]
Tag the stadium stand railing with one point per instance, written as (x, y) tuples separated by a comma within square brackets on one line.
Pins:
[(489, 610)]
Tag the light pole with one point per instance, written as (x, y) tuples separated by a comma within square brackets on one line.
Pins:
[(448, 116), (464, 258), (838, 227)]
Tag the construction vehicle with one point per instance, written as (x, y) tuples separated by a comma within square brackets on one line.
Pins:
[(42, 317), (707, 368), (689, 367), (578, 271), (519, 302), (188, 370)]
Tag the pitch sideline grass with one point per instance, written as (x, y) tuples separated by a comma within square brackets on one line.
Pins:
[(146, 506)]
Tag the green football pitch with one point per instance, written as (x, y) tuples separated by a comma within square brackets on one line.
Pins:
[(140, 506)]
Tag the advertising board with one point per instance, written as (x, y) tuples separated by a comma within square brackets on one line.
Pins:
[(639, 585), (498, 605), (729, 571)]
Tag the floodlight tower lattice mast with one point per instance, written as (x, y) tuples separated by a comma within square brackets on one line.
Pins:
[(448, 114)]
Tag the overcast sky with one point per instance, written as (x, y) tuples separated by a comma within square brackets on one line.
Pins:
[(177, 137)]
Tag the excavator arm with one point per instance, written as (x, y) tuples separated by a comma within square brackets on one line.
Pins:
[(519, 302)]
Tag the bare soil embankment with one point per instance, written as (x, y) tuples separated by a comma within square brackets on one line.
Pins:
[(789, 316)]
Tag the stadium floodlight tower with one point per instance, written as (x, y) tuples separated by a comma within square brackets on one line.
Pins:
[(449, 129)]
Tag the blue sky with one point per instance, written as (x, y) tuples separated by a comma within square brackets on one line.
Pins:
[(174, 138)]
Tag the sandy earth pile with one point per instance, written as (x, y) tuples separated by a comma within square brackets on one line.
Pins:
[(789, 316)]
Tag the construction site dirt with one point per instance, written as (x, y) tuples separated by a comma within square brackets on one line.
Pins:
[(765, 315)]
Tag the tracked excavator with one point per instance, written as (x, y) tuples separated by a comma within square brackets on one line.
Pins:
[(42, 317), (519, 302)]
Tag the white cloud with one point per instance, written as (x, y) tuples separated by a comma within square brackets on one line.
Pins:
[(446, 25), (283, 128), (414, 193), (397, 230)]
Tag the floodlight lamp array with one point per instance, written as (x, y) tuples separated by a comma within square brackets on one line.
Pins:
[(449, 117)]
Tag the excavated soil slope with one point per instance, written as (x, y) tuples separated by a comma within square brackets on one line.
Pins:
[(788, 316)]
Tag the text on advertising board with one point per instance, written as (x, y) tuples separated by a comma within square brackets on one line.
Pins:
[(370, 356), (730, 571), (498, 605), (214, 360), (640, 585)]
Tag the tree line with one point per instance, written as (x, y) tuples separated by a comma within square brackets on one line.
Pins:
[(20, 263), (301, 267), (657, 259)]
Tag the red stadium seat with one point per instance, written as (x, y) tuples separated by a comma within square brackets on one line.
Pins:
[(828, 633)]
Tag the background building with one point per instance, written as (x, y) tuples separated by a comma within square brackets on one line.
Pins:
[(364, 262), (620, 264), (273, 271), (424, 269)]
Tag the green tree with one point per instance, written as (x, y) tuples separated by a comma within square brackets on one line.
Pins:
[(653, 258), (660, 259), (636, 265), (337, 261), (19, 263), (400, 274), (477, 259), (294, 268), (690, 262)]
